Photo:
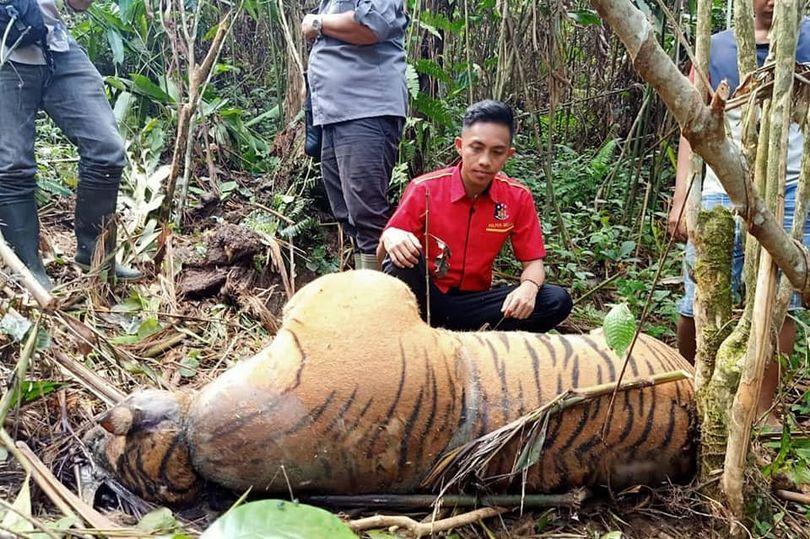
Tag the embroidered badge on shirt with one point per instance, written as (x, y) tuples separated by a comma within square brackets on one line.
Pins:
[(501, 213)]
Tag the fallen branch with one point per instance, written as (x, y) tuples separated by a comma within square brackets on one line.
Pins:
[(42, 296), (797, 497), (97, 385), (423, 501), (421, 529)]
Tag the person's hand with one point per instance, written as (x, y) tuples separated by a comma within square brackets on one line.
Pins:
[(674, 228), (520, 301), (307, 30), (402, 246)]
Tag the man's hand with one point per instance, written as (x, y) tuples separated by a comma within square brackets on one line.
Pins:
[(307, 30), (402, 246), (675, 228), (520, 301)]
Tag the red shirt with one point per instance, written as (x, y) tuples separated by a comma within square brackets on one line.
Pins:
[(473, 230)]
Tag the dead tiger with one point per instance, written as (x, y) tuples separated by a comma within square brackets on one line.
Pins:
[(357, 395)]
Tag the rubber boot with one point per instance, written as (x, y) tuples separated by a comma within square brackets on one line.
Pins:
[(366, 261), (95, 209), (20, 227)]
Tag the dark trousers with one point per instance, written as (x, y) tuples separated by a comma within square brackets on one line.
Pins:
[(470, 311), (357, 159)]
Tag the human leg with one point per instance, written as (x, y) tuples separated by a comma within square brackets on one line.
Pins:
[(21, 90), (366, 151), (74, 97), (477, 310)]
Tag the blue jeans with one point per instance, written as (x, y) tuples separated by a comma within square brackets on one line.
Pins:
[(73, 96), (686, 307)]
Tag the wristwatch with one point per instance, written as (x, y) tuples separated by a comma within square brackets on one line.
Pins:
[(317, 25)]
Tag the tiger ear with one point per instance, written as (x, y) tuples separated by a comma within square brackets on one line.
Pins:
[(118, 420)]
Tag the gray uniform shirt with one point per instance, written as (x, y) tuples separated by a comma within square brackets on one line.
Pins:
[(348, 81), (58, 39)]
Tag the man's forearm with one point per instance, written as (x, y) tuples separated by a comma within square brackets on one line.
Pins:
[(534, 272), (342, 26), (682, 172)]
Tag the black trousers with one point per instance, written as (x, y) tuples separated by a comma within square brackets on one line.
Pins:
[(357, 159), (470, 311)]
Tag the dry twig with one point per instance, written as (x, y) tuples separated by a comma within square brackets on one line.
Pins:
[(421, 529)]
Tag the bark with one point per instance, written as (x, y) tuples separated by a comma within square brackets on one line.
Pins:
[(760, 349), (715, 388), (703, 126), (714, 237)]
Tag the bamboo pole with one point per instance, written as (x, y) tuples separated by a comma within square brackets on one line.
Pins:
[(42, 296)]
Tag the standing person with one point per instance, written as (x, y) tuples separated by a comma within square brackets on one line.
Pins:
[(723, 66), (71, 91), (470, 210), (359, 97)]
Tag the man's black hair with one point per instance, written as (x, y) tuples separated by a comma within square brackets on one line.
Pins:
[(490, 111)]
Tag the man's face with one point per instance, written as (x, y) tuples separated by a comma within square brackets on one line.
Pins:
[(763, 10), (484, 148)]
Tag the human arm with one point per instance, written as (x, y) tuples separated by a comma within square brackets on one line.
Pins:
[(676, 227), (342, 26), (520, 302), (399, 239), (79, 5), (370, 22)]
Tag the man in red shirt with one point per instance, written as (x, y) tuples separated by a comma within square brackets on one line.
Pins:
[(469, 211)]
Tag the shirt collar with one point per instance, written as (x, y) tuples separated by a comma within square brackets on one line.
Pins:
[(457, 191)]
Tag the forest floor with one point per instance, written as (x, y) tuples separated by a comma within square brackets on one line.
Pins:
[(217, 298)]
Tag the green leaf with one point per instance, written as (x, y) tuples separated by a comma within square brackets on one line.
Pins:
[(585, 17), (412, 79), (116, 45), (161, 520), (612, 535), (277, 519), (619, 326), (188, 366), (144, 86), (52, 187)]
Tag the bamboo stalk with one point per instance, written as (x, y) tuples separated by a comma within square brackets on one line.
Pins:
[(42, 296), (19, 372)]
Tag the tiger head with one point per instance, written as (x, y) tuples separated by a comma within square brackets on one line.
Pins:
[(142, 442)]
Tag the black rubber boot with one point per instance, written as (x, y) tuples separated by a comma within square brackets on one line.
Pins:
[(94, 209), (20, 227)]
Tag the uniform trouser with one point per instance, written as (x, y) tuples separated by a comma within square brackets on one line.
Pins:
[(73, 96), (357, 159), (470, 311)]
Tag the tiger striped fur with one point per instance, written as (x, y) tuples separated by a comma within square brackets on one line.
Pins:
[(357, 395)]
